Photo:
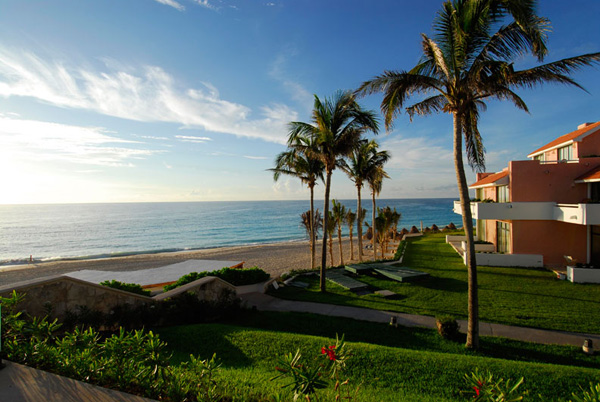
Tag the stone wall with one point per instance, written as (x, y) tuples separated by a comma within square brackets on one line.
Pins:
[(64, 293)]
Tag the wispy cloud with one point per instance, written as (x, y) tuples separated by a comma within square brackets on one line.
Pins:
[(417, 153), (172, 3), (189, 138), (44, 141), (278, 72), (146, 94), (258, 158), (206, 4)]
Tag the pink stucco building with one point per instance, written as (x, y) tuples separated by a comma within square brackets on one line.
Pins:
[(538, 211)]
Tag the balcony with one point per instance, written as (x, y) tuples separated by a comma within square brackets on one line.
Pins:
[(580, 214)]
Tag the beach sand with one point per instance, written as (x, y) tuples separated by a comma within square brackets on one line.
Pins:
[(274, 258)]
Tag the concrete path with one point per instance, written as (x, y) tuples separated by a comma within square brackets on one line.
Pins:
[(269, 303), (20, 383)]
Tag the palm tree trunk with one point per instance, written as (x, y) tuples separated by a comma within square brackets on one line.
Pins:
[(351, 244), (359, 227), (473, 300), (322, 285), (312, 227), (331, 250), (340, 242), (373, 228)]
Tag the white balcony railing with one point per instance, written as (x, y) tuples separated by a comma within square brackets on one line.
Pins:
[(580, 214)]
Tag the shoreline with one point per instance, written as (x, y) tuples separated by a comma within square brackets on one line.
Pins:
[(274, 258)]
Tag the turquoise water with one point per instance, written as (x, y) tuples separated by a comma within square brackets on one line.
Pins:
[(51, 232)]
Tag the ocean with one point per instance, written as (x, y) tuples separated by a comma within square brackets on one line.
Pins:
[(66, 231)]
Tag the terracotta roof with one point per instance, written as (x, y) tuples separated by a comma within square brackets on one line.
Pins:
[(565, 138), (591, 176), (490, 180)]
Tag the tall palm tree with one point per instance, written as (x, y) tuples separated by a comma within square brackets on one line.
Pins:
[(363, 160), (350, 220), (470, 59), (337, 125), (339, 214), (375, 180), (297, 162)]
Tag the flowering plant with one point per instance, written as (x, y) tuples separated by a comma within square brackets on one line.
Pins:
[(484, 387), (307, 378)]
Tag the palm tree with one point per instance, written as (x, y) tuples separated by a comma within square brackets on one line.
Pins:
[(337, 125), (297, 162), (382, 226), (375, 180), (363, 160), (470, 59), (312, 228), (339, 214), (329, 231), (350, 219)]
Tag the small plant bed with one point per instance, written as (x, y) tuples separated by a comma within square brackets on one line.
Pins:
[(530, 297)]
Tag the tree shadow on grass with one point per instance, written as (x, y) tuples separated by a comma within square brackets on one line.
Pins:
[(445, 284), (203, 341)]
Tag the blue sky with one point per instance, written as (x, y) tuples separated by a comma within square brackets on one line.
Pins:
[(188, 100)]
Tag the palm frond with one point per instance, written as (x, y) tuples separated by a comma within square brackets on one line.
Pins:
[(555, 72), (430, 105)]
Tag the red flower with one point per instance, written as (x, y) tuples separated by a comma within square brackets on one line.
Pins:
[(329, 352), (476, 392)]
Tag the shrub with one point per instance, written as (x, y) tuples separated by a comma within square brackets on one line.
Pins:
[(134, 362), (235, 276), (447, 327), (127, 287)]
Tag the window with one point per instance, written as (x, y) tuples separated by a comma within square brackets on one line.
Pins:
[(540, 157), (503, 195), (565, 153), (503, 236)]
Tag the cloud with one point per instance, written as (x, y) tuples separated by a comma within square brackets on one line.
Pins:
[(206, 4), (172, 3), (189, 138), (261, 158), (295, 89), (417, 153), (147, 94), (43, 141)]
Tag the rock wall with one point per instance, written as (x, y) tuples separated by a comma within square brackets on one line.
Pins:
[(63, 293)]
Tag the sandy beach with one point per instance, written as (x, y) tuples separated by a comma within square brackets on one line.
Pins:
[(274, 258)]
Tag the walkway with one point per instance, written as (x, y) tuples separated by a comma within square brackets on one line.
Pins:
[(270, 303), (20, 383)]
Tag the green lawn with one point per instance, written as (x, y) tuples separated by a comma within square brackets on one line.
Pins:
[(385, 373), (515, 296)]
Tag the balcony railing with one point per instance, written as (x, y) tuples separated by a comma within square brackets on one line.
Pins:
[(581, 214)]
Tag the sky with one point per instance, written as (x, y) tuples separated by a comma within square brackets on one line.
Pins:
[(189, 100)]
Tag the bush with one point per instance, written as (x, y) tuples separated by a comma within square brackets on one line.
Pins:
[(447, 327), (136, 362), (235, 276), (127, 287)]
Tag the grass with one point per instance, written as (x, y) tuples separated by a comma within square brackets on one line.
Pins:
[(529, 297), (387, 373)]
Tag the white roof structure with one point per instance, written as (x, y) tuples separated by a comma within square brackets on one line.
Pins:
[(155, 276)]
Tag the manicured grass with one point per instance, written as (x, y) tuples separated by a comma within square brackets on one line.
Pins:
[(515, 296), (413, 338), (386, 373)]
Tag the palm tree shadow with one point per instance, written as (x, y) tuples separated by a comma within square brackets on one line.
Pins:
[(207, 341)]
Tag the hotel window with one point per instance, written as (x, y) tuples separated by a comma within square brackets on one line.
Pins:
[(503, 195), (565, 153), (503, 236)]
